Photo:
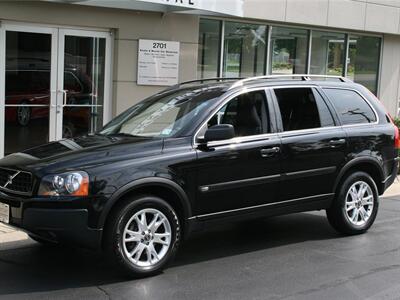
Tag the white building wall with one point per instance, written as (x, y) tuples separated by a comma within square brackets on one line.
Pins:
[(380, 16), (390, 75)]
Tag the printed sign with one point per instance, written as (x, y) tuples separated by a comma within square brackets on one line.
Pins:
[(158, 62)]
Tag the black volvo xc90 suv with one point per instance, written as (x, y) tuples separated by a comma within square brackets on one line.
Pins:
[(202, 152)]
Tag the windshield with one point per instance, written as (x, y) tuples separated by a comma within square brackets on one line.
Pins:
[(163, 115)]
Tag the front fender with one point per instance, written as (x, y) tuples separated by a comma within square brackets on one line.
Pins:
[(147, 182)]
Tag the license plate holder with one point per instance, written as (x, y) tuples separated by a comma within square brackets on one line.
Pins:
[(4, 213)]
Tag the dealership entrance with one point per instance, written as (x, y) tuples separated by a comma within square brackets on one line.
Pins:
[(54, 84)]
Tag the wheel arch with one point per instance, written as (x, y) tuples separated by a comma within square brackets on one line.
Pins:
[(164, 188), (366, 164)]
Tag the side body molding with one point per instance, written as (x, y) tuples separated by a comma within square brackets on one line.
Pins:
[(147, 182)]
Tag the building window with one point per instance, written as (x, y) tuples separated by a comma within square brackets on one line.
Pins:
[(288, 50), (244, 49), (363, 60), (327, 53), (209, 46)]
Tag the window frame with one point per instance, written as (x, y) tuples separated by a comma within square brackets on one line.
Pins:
[(361, 95), (314, 89), (271, 113)]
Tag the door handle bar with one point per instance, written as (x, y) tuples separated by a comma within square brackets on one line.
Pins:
[(337, 142), (270, 151)]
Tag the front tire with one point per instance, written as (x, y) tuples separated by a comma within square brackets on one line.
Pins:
[(355, 206), (142, 236)]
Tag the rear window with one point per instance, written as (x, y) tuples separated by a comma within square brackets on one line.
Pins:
[(351, 107)]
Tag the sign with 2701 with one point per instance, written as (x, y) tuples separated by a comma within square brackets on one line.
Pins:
[(158, 62)]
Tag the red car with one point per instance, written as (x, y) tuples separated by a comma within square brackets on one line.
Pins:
[(32, 87)]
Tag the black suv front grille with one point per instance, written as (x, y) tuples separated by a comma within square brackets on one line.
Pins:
[(14, 181)]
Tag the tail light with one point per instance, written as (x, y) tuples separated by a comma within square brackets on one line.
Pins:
[(396, 133), (396, 136)]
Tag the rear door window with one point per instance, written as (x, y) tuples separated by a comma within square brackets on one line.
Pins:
[(350, 106), (302, 108)]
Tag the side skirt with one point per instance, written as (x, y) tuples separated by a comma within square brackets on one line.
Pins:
[(298, 205)]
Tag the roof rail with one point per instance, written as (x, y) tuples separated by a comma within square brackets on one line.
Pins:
[(206, 80), (304, 77)]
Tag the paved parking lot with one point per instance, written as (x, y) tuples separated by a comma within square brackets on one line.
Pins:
[(290, 257)]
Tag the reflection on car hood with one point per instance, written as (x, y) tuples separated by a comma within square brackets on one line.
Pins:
[(83, 152)]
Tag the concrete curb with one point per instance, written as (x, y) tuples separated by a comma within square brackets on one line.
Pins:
[(9, 234), (394, 189)]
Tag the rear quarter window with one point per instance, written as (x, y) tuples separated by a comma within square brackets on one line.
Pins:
[(350, 106)]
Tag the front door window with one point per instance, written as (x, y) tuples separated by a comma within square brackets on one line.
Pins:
[(247, 113)]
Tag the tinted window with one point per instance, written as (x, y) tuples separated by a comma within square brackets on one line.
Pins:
[(247, 113), (302, 109), (351, 107)]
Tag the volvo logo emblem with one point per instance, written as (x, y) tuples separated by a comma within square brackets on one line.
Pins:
[(10, 179)]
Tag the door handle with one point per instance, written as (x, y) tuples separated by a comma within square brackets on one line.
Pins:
[(337, 142), (270, 151), (64, 92)]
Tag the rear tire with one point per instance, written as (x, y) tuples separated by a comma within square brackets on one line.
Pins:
[(142, 236), (355, 206)]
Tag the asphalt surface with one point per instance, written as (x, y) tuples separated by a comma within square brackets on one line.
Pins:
[(290, 257)]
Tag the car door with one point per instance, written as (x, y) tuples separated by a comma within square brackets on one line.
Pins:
[(237, 174), (313, 147)]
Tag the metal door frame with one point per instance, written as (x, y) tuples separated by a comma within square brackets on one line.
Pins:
[(53, 32), (62, 33)]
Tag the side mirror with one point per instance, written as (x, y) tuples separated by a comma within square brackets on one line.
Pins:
[(219, 133)]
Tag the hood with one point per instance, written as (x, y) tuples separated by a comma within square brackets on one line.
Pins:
[(82, 153)]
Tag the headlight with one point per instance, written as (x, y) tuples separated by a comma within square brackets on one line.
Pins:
[(66, 184)]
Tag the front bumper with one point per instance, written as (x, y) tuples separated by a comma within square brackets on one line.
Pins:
[(61, 225)]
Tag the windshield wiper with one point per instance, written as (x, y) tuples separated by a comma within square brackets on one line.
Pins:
[(123, 134)]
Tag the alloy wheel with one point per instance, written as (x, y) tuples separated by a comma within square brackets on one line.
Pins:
[(359, 203), (147, 238)]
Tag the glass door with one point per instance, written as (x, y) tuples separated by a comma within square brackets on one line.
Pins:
[(28, 93), (54, 83), (81, 82)]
